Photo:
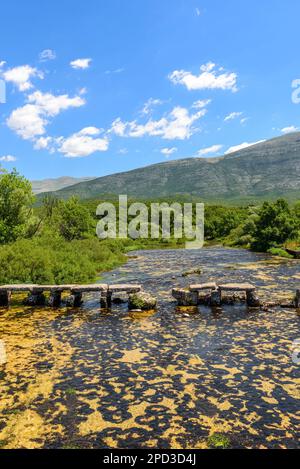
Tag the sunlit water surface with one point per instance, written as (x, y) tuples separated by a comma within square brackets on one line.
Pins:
[(89, 378)]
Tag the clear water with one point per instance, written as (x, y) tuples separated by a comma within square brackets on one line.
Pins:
[(89, 378)]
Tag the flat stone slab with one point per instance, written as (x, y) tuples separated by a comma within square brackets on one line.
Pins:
[(17, 288), (125, 288), (247, 287), (97, 287), (51, 288), (203, 286)]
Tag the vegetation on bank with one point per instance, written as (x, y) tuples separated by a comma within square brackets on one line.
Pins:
[(56, 242)]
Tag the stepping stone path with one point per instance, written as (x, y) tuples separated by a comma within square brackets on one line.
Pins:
[(36, 296)]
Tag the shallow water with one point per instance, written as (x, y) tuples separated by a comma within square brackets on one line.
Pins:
[(93, 379)]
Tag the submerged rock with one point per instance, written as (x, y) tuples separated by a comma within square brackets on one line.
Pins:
[(142, 301), (192, 272)]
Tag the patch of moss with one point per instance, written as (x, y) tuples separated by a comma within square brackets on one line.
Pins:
[(3, 443), (71, 392), (192, 272), (142, 301), (218, 441)]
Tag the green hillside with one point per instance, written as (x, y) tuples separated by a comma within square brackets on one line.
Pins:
[(264, 171)]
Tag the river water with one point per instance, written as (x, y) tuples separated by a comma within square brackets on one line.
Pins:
[(90, 378)]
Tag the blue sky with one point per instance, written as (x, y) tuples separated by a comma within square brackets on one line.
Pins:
[(100, 86)]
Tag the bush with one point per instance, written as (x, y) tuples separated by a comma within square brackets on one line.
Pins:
[(71, 219), (15, 206), (279, 252), (275, 224), (51, 259)]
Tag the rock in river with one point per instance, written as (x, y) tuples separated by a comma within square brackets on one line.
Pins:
[(142, 301)]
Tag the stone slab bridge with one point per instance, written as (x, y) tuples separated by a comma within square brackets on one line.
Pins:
[(36, 293), (190, 297)]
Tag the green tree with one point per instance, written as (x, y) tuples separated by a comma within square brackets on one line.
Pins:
[(16, 199), (274, 226), (220, 221), (49, 204), (72, 219)]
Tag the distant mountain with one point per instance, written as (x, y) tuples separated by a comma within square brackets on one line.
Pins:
[(49, 185), (263, 171)]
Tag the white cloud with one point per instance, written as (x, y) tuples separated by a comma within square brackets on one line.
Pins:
[(201, 103), (209, 78), (83, 143), (90, 131), (30, 120), (123, 151), (210, 150), (178, 124), (43, 143), (232, 116), (27, 122), (119, 128), (245, 119), (8, 158), (52, 105), (289, 130), (81, 64), (2, 63), (149, 105), (21, 76), (47, 54), (169, 151), (242, 146)]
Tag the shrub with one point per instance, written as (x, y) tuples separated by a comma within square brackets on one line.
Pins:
[(51, 259), (275, 224), (279, 252)]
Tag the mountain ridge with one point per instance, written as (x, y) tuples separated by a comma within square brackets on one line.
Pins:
[(262, 171), (55, 184)]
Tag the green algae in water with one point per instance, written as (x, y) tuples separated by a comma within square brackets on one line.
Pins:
[(155, 380), (218, 441)]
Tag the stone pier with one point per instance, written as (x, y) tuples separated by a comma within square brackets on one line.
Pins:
[(5, 297), (297, 299), (191, 297), (185, 297)]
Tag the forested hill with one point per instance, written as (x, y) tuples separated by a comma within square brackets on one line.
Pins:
[(264, 171)]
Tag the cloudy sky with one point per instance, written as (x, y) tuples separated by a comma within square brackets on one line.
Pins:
[(98, 87)]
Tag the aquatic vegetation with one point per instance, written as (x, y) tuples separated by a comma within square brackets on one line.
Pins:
[(218, 441), (192, 272)]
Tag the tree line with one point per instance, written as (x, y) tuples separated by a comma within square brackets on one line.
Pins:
[(55, 242)]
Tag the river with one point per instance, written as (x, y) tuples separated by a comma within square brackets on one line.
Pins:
[(89, 378)]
